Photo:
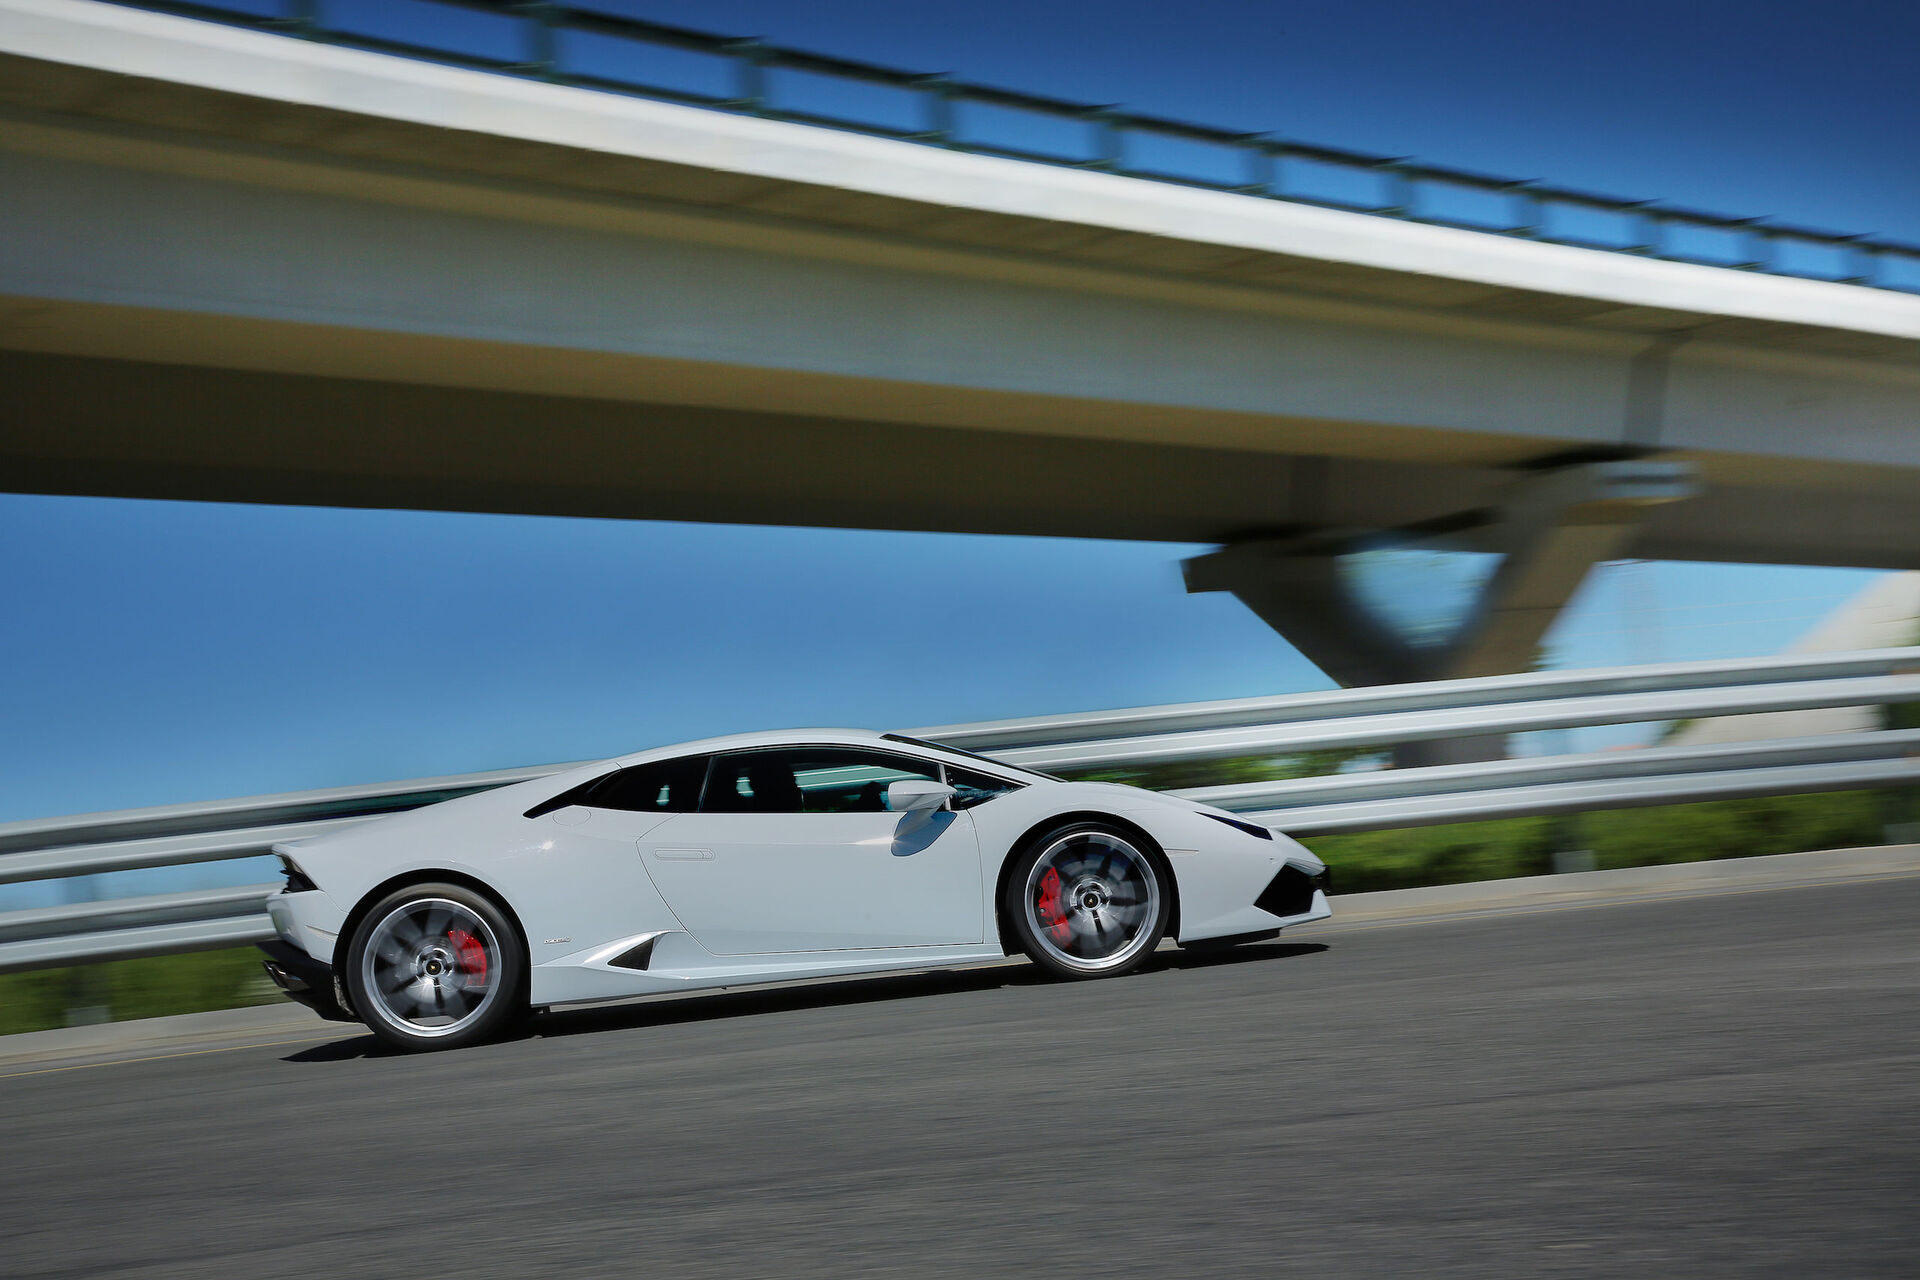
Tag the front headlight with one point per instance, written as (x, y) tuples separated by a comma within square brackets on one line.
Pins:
[(1257, 832)]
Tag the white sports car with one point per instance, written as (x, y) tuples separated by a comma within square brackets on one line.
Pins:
[(755, 858)]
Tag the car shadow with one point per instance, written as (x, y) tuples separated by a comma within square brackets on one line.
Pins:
[(826, 993), (1245, 953)]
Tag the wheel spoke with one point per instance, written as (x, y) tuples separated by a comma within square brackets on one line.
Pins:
[(409, 998)]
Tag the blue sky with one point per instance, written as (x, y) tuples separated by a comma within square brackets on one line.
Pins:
[(162, 651), (1802, 111), (157, 652)]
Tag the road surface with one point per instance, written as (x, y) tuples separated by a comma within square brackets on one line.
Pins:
[(1717, 1085)]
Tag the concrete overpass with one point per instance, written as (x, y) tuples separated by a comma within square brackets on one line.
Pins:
[(241, 267)]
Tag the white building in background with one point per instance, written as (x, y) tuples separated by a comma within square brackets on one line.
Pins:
[(1884, 615)]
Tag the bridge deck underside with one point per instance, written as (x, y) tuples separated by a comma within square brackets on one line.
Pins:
[(94, 426)]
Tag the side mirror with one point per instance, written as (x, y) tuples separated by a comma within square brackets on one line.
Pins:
[(912, 795)]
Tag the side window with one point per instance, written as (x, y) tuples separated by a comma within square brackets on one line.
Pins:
[(664, 786), (970, 788), (809, 780)]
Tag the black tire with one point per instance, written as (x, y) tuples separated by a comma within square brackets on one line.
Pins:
[(437, 966), (1107, 906)]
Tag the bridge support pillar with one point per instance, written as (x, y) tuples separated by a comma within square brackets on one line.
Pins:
[(1549, 530)]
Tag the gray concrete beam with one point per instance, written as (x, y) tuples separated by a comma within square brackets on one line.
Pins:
[(1550, 529)]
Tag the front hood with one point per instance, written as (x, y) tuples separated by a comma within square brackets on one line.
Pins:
[(1140, 797)]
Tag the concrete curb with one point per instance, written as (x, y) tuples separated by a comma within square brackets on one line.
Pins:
[(288, 1022), (178, 1033), (1632, 884)]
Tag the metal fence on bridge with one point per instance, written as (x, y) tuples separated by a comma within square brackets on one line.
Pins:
[(577, 44), (1273, 727)]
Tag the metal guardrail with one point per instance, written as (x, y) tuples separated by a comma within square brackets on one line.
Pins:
[(569, 44), (1572, 783), (197, 920), (175, 835)]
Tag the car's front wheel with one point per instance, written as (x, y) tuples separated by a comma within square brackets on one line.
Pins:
[(1088, 901), (436, 966)]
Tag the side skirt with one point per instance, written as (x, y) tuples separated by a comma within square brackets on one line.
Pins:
[(677, 963)]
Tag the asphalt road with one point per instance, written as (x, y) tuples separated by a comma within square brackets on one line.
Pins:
[(1721, 1085)]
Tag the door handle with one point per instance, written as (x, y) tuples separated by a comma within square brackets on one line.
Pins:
[(683, 855)]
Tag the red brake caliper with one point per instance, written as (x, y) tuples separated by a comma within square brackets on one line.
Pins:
[(1053, 915), (473, 956)]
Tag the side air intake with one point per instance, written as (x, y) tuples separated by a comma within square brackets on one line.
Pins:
[(635, 957)]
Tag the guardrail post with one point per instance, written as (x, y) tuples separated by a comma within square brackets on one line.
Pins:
[(1572, 861), (1900, 806), (543, 38), (750, 84), (1262, 165), (1109, 147), (938, 93), (1529, 213), (1760, 248), (1864, 260), (89, 1000), (301, 18), (1648, 225), (1403, 195)]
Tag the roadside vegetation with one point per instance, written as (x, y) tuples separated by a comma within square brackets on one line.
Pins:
[(1369, 860), (1495, 850), (1361, 862), (146, 988)]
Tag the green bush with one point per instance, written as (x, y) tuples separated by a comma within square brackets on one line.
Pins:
[(1699, 832), (1732, 828), (145, 988), (1366, 861)]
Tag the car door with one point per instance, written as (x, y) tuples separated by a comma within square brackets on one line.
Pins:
[(794, 850), (591, 871)]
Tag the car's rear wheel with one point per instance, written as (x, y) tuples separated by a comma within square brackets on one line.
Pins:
[(436, 966), (1088, 901)]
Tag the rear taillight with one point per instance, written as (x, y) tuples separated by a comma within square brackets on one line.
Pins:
[(297, 881)]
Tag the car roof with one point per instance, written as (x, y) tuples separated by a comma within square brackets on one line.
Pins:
[(817, 737), (764, 738)]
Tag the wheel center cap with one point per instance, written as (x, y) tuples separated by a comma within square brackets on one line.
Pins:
[(1091, 895)]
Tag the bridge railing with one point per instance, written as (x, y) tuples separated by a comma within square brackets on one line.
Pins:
[(176, 835), (577, 44)]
